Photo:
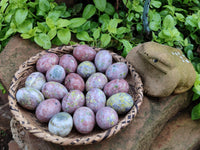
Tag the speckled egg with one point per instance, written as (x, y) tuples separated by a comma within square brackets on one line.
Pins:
[(74, 81), (120, 102), (116, 86), (85, 69), (95, 99), (47, 109), (96, 80), (117, 70), (106, 118), (54, 90), (68, 62), (84, 53), (61, 124), (73, 100), (56, 73), (29, 97), (84, 120), (45, 62), (103, 60), (35, 80)]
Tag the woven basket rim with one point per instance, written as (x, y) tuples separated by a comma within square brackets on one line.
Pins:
[(82, 140)]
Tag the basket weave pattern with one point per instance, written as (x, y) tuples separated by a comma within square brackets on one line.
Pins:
[(28, 120)]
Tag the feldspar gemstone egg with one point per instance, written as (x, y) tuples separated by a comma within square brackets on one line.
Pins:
[(117, 70), (86, 69), (74, 81), (54, 90), (95, 99), (29, 97), (61, 124), (35, 80), (45, 62), (120, 102), (103, 60), (47, 109), (96, 80), (84, 120), (84, 53), (106, 118), (68, 62), (116, 86), (56, 73), (73, 100)]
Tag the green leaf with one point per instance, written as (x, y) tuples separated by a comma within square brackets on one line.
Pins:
[(190, 55), (44, 5), (83, 36), (62, 23), (43, 27), (77, 22), (43, 40), (130, 17), (100, 4), (139, 27), (52, 33), (198, 67), (2, 89), (89, 11), (112, 26), (25, 27), (127, 47), (54, 15), (195, 97), (105, 40), (155, 21), (21, 15), (77, 8), (50, 23), (191, 20), (188, 47), (56, 41), (3, 4), (168, 22), (138, 8), (96, 33), (195, 114), (156, 4), (64, 35), (110, 10), (121, 30), (104, 19), (180, 17), (86, 26)]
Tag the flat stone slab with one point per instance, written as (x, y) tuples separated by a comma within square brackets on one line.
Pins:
[(139, 135), (14, 54), (179, 133)]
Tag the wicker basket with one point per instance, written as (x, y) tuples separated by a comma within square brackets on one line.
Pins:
[(28, 120)]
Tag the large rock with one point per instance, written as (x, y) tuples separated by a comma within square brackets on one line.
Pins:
[(164, 70), (14, 54), (179, 133)]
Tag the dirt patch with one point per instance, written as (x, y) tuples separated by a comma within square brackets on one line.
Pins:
[(5, 138)]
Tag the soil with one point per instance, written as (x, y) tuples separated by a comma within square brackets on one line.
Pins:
[(5, 138), (5, 132)]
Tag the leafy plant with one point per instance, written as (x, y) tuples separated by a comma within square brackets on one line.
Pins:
[(2, 89)]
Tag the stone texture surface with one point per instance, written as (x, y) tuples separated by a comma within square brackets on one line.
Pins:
[(164, 69), (15, 53), (139, 135), (178, 134)]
